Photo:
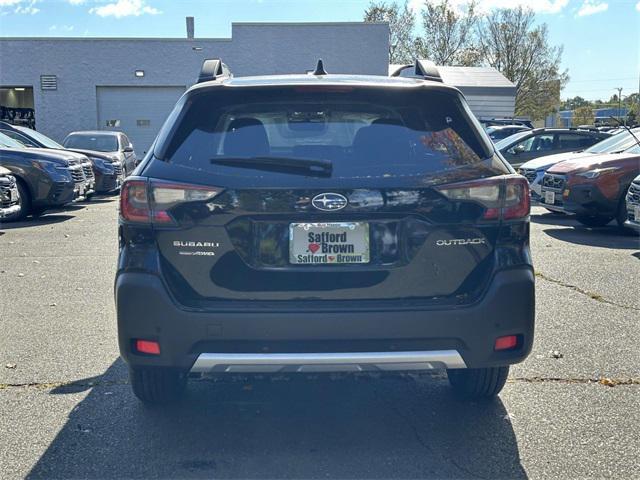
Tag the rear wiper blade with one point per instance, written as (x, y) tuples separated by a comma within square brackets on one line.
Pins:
[(283, 164)]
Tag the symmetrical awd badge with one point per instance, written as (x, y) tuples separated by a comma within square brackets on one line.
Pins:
[(329, 202)]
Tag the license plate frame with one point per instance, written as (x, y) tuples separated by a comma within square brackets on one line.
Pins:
[(549, 197), (13, 194), (349, 244), (636, 213)]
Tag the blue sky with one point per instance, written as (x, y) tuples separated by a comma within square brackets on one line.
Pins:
[(601, 38)]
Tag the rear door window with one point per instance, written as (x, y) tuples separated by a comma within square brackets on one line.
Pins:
[(363, 134), (573, 141), (534, 144)]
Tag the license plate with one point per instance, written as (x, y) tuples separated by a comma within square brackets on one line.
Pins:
[(13, 194), (329, 243), (636, 214), (550, 197)]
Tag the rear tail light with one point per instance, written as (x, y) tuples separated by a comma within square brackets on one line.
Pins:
[(505, 198), (150, 201)]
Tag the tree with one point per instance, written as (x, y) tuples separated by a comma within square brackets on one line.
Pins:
[(449, 34), (573, 103), (401, 24), (583, 116), (509, 42)]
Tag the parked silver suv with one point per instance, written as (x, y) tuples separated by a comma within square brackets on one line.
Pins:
[(116, 144)]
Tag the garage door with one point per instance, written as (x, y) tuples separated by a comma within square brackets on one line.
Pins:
[(139, 112)]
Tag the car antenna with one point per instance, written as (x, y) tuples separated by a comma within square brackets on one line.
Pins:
[(626, 127), (319, 68)]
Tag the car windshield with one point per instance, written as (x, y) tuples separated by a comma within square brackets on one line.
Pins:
[(96, 142), (616, 143), (362, 134), (8, 142), (635, 149), (39, 137), (510, 140)]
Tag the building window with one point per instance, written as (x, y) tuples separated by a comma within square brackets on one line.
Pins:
[(112, 123), (143, 123)]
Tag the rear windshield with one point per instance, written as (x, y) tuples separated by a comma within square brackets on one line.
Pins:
[(362, 133), (96, 142)]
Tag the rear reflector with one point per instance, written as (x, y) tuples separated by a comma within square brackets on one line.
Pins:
[(506, 343), (147, 346), (150, 201)]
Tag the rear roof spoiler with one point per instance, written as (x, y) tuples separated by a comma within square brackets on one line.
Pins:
[(213, 69), (422, 68)]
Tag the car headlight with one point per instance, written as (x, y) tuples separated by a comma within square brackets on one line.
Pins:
[(597, 172), (103, 164), (50, 167)]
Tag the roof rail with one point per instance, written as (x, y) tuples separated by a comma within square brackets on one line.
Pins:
[(212, 69), (398, 71), (422, 68)]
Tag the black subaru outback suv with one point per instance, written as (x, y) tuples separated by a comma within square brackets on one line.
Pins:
[(320, 223)]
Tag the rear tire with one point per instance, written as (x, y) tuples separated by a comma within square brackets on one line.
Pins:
[(593, 221), (478, 383), (157, 385), (24, 201)]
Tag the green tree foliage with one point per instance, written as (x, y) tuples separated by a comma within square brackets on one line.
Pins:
[(583, 116), (509, 42), (449, 34), (506, 39)]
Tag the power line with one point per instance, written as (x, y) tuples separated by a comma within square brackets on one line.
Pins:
[(601, 80)]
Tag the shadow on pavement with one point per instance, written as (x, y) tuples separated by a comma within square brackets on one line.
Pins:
[(558, 219), (46, 219), (606, 237), (345, 427)]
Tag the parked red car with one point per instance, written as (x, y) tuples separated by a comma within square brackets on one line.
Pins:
[(593, 189)]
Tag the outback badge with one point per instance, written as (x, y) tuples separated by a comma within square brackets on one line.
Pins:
[(329, 202)]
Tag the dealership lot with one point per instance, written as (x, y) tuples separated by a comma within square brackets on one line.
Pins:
[(570, 410)]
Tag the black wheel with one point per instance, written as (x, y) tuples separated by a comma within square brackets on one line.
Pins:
[(25, 204), (478, 383), (593, 221), (157, 385)]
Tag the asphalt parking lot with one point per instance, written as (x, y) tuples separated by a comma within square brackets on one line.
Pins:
[(66, 410)]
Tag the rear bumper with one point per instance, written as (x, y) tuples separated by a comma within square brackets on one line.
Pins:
[(146, 311), (326, 362)]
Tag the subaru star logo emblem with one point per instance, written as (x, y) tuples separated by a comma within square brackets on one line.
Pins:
[(328, 202)]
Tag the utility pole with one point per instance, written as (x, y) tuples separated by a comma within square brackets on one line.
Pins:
[(620, 104)]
